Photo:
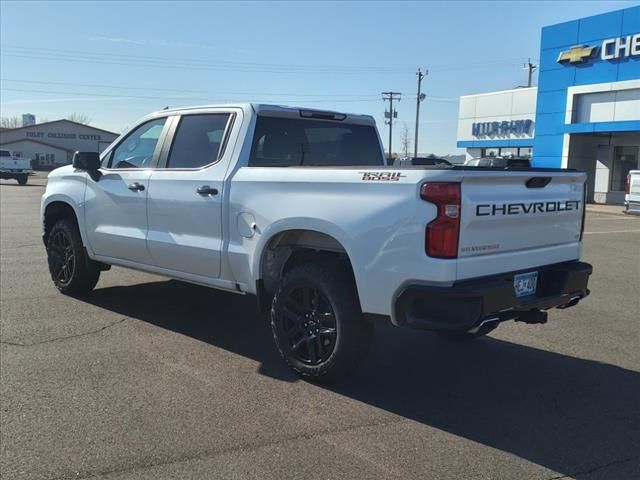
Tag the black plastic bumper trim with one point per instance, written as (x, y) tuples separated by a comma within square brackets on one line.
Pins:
[(467, 303)]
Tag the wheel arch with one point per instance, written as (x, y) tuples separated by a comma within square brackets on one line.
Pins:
[(55, 210), (294, 246)]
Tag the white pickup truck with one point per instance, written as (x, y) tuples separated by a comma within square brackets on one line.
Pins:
[(14, 167), (298, 207), (632, 193)]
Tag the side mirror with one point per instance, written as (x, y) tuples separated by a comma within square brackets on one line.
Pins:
[(89, 161)]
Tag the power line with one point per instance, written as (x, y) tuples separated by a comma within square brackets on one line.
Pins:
[(220, 62), (93, 85), (194, 64), (183, 98), (158, 62)]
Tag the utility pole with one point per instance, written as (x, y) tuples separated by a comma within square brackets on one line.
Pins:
[(419, 98), (532, 68), (391, 114)]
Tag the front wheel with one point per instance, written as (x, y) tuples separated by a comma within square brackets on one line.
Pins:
[(22, 179), (72, 271), (316, 321)]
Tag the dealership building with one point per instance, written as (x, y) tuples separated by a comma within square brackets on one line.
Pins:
[(585, 112), (52, 144)]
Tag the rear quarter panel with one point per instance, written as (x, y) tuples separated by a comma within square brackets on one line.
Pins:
[(380, 224)]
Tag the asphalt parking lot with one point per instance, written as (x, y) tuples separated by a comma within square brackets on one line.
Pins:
[(147, 378)]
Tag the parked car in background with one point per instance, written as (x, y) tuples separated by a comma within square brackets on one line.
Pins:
[(14, 167), (429, 161), (632, 193), (499, 162)]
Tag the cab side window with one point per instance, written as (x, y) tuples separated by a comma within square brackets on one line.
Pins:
[(136, 150), (197, 141)]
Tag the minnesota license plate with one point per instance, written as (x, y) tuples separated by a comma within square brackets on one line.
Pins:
[(525, 284)]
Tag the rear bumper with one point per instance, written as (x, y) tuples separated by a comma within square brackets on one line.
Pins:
[(632, 207), (467, 304)]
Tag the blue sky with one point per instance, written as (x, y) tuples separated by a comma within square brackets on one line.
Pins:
[(117, 61)]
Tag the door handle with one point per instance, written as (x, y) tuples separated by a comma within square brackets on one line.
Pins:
[(207, 190), (136, 187)]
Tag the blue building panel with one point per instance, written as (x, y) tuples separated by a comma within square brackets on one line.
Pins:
[(554, 101), (596, 72), (626, 126), (550, 123), (556, 79), (539, 161), (588, 68), (600, 26), (629, 70), (630, 21), (549, 59), (548, 145), (560, 35)]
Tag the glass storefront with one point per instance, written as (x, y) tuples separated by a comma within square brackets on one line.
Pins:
[(624, 159)]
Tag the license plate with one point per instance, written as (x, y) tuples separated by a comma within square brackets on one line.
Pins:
[(525, 284)]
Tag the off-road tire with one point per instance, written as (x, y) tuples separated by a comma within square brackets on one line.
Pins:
[(353, 333), (64, 242)]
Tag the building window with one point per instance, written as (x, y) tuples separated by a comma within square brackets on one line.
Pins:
[(525, 152), (624, 159), (509, 152), (490, 152)]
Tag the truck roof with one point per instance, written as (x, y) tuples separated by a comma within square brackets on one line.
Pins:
[(277, 111)]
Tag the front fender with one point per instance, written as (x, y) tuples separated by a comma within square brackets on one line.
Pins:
[(69, 189)]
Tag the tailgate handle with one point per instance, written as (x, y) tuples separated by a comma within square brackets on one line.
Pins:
[(538, 182)]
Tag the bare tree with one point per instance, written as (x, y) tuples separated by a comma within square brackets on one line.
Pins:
[(79, 118), (10, 122), (405, 139)]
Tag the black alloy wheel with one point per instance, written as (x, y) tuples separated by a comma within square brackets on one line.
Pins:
[(309, 324), (63, 259), (72, 271), (317, 323)]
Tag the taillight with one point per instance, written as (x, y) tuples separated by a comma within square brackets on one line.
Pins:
[(441, 238), (627, 187)]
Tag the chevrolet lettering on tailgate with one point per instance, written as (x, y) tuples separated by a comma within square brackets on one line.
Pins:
[(484, 210)]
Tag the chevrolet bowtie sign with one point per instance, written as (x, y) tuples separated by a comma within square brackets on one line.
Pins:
[(577, 54), (610, 49)]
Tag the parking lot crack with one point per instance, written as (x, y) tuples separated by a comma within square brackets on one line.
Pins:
[(595, 469), (67, 337), (144, 465)]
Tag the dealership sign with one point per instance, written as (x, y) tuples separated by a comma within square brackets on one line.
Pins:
[(70, 136), (610, 49), (505, 127)]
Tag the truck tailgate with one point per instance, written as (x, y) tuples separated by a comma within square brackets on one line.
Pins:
[(515, 220)]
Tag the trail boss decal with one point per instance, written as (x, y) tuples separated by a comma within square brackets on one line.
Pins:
[(381, 176), (484, 210)]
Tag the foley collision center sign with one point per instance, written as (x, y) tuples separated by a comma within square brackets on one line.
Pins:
[(609, 49)]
